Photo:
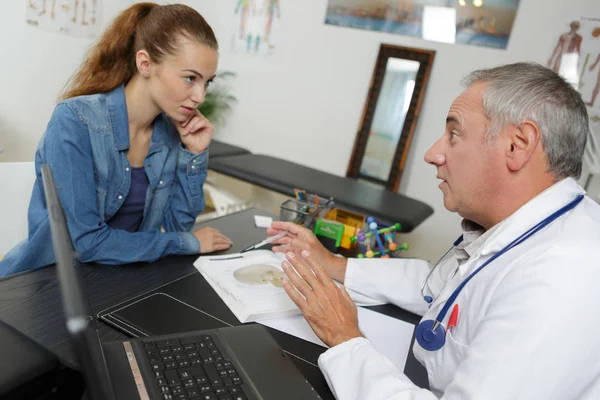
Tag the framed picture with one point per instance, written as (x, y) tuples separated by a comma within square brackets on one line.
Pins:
[(473, 22)]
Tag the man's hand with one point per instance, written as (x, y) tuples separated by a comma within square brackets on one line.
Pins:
[(195, 132), (300, 238), (211, 240), (329, 310)]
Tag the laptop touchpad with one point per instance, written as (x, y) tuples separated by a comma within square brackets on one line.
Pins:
[(161, 314)]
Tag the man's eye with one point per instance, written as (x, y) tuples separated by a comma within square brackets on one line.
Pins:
[(190, 79)]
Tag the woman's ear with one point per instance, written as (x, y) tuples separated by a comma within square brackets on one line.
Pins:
[(142, 61), (523, 140)]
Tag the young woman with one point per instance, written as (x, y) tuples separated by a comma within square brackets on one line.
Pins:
[(127, 145)]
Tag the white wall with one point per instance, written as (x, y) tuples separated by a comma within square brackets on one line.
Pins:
[(309, 95), (35, 66)]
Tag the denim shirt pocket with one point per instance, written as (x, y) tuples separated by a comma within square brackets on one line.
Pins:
[(165, 181)]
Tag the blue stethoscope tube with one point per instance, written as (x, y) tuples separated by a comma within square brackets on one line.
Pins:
[(430, 334)]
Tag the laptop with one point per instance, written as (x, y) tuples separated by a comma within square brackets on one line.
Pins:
[(231, 363)]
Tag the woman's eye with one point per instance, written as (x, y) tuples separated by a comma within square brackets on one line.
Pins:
[(190, 79), (207, 84), (453, 134)]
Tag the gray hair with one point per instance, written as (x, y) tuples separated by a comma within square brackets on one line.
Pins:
[(520, 92)]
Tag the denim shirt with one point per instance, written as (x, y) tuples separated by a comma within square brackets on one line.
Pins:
[(85, 144)]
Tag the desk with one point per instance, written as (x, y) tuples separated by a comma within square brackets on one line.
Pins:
[(283, 176), (30, 301)]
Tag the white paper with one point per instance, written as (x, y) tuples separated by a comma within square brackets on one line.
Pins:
[(262, 222), (249, 284), (389, 335)]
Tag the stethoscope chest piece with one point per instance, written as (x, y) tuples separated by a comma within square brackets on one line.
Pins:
[(428, 338)]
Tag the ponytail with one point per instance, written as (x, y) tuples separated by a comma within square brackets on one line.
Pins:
[(149, 26)]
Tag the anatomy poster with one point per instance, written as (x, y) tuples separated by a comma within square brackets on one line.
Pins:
[(575, 55), (79, 18), (256, 25), (589, 84)]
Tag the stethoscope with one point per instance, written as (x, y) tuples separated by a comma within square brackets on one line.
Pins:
[(430, 334), (429, 299)]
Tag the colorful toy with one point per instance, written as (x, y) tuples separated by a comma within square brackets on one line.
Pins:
[(372, 238), (329, 233), (352, 222)]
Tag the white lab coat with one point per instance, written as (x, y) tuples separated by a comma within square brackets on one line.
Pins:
[(528, 325)]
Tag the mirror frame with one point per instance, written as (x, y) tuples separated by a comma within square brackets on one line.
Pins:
[(386, 51)]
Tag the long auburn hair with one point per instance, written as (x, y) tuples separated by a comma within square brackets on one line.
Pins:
[(149, 26)]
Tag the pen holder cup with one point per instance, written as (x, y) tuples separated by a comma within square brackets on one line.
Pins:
[(323, 207), (297, 211)]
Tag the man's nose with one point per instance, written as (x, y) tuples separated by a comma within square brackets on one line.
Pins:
[(435, 155)]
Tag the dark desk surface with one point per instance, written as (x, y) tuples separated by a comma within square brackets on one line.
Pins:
[(350, 194), (222, 149), (31, 301)]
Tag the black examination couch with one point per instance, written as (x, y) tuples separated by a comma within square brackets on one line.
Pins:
[(283, 176)]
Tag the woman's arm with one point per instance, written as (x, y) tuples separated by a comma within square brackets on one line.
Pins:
[(66, 148), (187, 196)]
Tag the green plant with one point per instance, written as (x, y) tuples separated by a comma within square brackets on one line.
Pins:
[(218, 101)]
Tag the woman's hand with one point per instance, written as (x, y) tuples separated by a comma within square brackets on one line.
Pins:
[(299, 238), (211, 240), (195, 132)]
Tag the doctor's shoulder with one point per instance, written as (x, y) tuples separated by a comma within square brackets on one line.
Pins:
[(557, 266)]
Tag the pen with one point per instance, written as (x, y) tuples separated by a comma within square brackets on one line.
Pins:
[(264, 242), (225, 258), (453, 318)]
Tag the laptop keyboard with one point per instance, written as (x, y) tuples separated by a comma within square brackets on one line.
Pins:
[(193, 368)]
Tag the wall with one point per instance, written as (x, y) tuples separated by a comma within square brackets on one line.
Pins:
[(35, 66), (308, 96)]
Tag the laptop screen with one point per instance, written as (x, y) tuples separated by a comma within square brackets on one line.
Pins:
[(79, 318)]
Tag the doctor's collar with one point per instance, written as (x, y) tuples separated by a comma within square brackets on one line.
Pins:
[(534, 210)]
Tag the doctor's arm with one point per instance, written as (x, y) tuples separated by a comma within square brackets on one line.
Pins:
[(352, 367)]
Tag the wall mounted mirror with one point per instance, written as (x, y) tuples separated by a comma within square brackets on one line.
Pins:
[(390, 115)]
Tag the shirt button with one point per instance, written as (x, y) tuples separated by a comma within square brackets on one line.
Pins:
[(193, 166), (160, 183), (127, 169), (120, 197)]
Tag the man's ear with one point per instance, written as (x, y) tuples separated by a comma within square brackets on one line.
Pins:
[(143, 63), (521, 144)]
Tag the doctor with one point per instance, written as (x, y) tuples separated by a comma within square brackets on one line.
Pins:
[(524, 280)]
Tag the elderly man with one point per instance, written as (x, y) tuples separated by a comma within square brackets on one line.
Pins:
[(525, 275)]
